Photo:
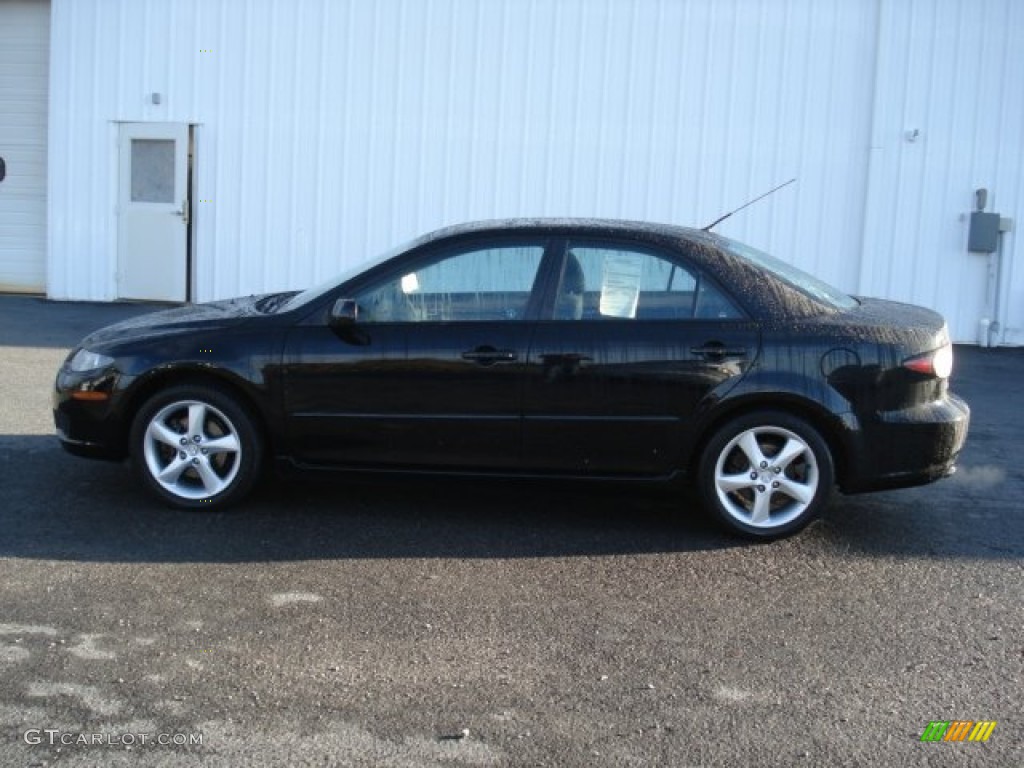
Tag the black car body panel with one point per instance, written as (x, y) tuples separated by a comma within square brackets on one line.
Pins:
[(586, 411), (522, 391)]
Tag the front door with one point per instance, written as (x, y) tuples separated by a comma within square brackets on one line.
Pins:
[(153, 206), (430, 374)]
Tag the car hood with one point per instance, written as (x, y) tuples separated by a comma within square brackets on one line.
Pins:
[(214, 314)]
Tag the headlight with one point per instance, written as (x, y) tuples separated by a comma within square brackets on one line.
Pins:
[(84, 360)]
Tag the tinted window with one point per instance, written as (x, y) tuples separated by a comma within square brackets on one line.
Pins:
[(807, 284), (626, 284), (474, 285)]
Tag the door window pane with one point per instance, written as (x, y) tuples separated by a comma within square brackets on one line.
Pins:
[(483, 284), (625, 284), (152, 171)]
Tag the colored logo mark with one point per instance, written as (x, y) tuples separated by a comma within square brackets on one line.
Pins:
[(958, 730)]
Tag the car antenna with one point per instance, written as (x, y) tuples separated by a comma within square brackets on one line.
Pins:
[(720, 219)]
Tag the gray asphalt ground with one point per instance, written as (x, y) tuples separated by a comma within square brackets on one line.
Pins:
[(496, 624)]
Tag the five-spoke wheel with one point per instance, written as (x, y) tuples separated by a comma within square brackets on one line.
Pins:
[(195, 446), (766, 474)]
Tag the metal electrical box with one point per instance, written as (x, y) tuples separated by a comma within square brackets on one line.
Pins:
[(983, 235)]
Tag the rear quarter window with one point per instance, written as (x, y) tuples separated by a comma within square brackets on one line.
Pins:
[(805, 283)]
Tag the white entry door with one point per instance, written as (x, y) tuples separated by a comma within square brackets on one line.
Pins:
[(153, 210)]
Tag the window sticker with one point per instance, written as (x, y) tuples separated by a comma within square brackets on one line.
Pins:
[(620, 284)]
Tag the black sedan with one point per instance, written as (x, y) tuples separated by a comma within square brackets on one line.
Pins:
[(557, 348)]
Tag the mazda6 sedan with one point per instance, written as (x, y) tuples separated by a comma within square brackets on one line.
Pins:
[(535, 348)]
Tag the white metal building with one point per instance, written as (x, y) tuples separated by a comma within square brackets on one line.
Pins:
[(24, 58), (199, 149)]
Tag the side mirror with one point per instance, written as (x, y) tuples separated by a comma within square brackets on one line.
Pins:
[(342, 320), (344, 312)]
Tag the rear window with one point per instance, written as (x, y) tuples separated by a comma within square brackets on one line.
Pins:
[(807, 284)]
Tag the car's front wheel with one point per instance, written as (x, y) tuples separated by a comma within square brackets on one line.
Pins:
[(766, 474), (195, 447)]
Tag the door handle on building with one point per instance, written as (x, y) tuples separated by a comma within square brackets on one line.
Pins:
[(183, 212)]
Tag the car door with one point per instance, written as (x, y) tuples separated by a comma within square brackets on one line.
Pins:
[(429, 375), (632, 341)]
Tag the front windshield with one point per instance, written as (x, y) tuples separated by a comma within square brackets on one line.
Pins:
[(314, 293), (808, 284)]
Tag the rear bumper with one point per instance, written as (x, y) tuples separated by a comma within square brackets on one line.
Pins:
[(908, 447)]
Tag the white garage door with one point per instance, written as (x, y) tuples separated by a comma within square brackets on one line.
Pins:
[(24, 59)]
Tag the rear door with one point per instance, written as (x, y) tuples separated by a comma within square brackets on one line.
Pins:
[(430, 375), (634, 341)]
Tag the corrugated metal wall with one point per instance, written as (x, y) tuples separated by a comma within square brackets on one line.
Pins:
[(330, 130), (953, 70)]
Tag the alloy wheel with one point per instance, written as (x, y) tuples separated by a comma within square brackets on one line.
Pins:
[(766, 477), (192, 449)]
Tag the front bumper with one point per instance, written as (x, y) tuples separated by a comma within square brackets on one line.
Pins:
[(89, 428), (911, 446)]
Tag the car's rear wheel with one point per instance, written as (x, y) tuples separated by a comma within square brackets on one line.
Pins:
[(195, 447), (766, 474)]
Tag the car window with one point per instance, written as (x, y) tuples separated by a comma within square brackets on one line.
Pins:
[(627, 284), (472, 285), (807, 284)]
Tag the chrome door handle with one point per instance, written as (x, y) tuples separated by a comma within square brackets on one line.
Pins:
[(714, 350), (488, 355)]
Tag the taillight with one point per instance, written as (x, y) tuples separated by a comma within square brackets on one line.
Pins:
[(937, 363)]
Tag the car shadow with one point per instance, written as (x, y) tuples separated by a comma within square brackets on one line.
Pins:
[(63, 508), (914, 523)]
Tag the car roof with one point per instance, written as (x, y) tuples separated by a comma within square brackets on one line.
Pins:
[(588, 226)]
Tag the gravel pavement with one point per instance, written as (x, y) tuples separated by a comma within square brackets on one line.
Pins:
[(496, 624)]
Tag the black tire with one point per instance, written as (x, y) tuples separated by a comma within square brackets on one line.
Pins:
[(765, 499), (196, 447)]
